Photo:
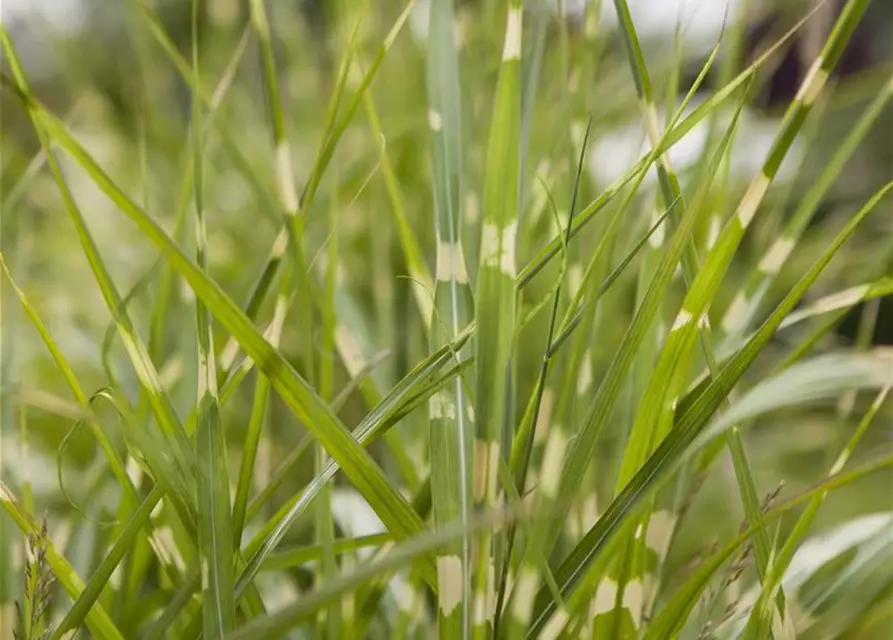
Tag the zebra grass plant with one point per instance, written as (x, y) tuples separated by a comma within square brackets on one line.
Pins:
[(473, 390)]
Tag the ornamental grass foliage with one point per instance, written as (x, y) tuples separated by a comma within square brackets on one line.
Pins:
[(491, 319)]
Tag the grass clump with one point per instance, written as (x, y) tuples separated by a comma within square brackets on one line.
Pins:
[(457, 385)]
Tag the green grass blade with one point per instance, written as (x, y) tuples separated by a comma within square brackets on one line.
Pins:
[(293, 557), (258, 412), (332, 134), (214, 509), (295, 211), (821, 378), (406, 391), (841, 300), (495, 309), (632, 569), (294, 206), (451, 425), (324, 526), (114, 460)]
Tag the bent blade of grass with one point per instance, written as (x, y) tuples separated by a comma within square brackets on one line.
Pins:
[(675, 450), (108, 448), (367, 476), (280, 475), (172, 551), (136, 578), (403, 399), (214, 509), (809, 381), (838, 566), (874, 618), (75, 617), (451, 425), (495, 294), (852, 590), (841, 300)]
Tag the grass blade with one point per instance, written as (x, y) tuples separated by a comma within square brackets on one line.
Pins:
[(451, 426), (495, 312), (214, 509)]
